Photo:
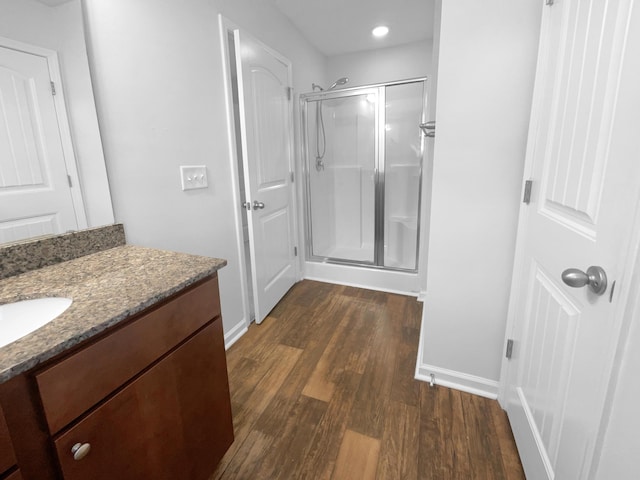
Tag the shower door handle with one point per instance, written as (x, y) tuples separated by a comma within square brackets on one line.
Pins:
[(258, 205), (428, 128)]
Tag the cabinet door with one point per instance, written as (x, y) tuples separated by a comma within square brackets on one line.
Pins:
[(174, 421), (71, 386)]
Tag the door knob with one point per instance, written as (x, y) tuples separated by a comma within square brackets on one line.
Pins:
[(595, 277), (257, 205)]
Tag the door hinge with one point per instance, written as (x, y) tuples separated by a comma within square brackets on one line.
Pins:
[(69, 180), (289, 92), (53, 88), (292, 177), (295, 251), (509, 351), (527, 192)]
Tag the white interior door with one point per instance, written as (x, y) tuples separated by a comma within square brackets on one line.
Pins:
[(583, 159), (35, 196), (264, 80)]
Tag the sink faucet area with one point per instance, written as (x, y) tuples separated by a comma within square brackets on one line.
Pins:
[(21, 318)]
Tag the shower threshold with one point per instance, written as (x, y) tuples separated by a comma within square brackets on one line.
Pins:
[(361, 254)]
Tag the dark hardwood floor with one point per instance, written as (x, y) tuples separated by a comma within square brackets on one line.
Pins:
[(324, 389)]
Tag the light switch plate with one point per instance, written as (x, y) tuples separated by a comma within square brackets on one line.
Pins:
[(193, 176)]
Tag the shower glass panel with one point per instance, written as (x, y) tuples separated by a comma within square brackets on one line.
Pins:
[(341, 149), (364, 151), (403, 166)]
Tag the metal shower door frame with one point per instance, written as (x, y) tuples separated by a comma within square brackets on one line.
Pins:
[(379, 165)]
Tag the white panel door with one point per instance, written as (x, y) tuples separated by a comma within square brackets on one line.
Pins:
[(583, 157), (35, 198), (265, 114)]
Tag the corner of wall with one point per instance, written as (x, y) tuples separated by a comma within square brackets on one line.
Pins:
[(445, 377)]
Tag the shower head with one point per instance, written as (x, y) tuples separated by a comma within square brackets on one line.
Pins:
[(340, 81)]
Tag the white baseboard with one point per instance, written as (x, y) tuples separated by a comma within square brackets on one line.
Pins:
[(422, 296), (233, 335), (458, 380)]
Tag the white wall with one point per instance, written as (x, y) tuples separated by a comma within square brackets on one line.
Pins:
[(158, 78), (383, 65), (485, 80), (61, 29)]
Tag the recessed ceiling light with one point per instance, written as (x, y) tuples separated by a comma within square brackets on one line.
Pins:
[(380, 31)]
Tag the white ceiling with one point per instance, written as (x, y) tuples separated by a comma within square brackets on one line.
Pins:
[(343, 26)]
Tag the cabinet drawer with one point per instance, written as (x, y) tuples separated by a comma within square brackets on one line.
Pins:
[(80, 381), (7, 456), (172, 422)]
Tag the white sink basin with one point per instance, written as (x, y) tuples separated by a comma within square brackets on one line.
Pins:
[(21, 318)]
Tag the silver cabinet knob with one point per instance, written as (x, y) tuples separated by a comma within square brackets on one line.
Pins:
[(80, 450), (257, 205), (595, 278)]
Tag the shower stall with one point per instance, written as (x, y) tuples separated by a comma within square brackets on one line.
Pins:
[(363, 150)]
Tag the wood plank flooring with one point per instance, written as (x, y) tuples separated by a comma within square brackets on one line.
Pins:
[(324, 389)]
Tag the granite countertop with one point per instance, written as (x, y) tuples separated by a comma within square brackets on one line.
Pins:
[(106, 287)]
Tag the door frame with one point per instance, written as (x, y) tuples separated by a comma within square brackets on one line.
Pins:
[(225, 27), (64, 128), (626, 282)]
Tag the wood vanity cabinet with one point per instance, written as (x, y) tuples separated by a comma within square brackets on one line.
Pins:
[(148, 400), (8, 460)]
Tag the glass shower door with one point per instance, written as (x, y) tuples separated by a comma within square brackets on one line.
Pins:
[(341, 143), (403, 153)]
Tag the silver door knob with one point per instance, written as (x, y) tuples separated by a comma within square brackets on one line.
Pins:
[(246, 205), (257, 205), (80, 450), (595, 278)]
